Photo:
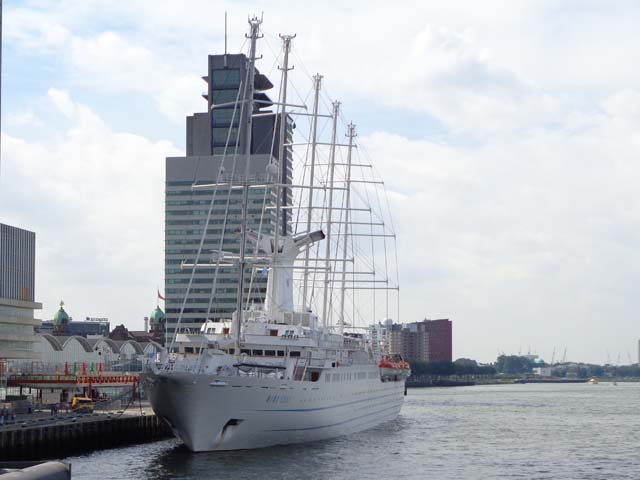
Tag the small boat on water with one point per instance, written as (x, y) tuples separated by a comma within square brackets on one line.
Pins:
[(593, 381)]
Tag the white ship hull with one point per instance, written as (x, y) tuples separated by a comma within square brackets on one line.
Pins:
[(228, 413)]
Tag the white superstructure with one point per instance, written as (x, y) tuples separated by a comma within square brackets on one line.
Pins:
[(276, 374)]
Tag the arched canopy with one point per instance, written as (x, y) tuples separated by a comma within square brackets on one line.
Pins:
[(81, 340), (53, 341), (135, 345), (152, 347), (113, 346)]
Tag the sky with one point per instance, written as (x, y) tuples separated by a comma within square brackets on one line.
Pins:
[(507, 134)]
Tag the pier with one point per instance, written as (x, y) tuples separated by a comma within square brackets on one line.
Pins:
[(57, 437)]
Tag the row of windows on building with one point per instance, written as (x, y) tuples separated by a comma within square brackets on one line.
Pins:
[(234, 201), (205, 191), (200, 290), (205, 311), (218, 300)]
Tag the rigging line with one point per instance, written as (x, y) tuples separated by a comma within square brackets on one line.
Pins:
[(242, 88), (255, 33), (317, 245), (343, 212), (384, 246), (369, 160), (227, 204), (306, 157), (395, 243), (366, 190), (365, 152), (304, 170), (273, 52), (197, 259), (267, 189), (302, 65)]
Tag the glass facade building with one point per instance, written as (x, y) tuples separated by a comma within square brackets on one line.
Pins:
[(218, 140)]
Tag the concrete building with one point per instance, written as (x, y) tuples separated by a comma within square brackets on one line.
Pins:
[(216, 142), (428, 341), (62, 324), (440, 342), (17, 289)]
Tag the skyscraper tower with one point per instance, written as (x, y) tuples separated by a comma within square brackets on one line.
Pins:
[(213, 170)]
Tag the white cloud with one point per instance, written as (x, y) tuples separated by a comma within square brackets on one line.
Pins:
[(22, 119), (522, 228), (94, 196), (523, 241)]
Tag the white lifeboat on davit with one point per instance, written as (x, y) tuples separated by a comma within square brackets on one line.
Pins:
[(392, 367)]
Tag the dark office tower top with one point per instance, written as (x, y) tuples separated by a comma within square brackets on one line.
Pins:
[(224, 125)]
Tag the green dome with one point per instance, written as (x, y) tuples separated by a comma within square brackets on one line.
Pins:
[(61, 317), (156, 316)]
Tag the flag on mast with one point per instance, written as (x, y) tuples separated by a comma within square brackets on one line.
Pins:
[(160, 296)]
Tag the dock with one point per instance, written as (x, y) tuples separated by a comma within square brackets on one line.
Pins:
[(60, 436)]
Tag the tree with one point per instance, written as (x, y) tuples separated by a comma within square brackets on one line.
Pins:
[(513, 364)]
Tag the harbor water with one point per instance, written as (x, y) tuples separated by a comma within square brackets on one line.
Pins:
[(496, 431)]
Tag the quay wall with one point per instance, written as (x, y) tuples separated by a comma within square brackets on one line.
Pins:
[(419, 381), (68, 438)]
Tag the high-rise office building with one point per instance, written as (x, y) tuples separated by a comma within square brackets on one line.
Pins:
[(216, 142), (17, 282)]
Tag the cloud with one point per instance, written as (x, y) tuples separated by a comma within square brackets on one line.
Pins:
[(519, 221), (22, 119), (523, 238), (94, 197), (107, 62)]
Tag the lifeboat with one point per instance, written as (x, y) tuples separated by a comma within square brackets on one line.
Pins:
[(394, 370)]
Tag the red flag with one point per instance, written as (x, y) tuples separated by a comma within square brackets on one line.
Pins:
[(160, 296)]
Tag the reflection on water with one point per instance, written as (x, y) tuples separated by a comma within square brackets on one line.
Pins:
[(524, 431)]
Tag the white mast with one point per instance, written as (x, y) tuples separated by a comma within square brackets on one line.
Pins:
[(282, 161), (332, 168), (317, 81), (254, 35), (351, 134)]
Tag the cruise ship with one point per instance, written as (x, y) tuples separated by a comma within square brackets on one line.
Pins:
[(274, 373)]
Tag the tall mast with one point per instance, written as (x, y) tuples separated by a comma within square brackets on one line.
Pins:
[(254, 35), (332, 168), (282, 161), (317, 81), (351, 133)]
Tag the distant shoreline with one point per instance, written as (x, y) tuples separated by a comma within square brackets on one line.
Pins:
[(426, 381)]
